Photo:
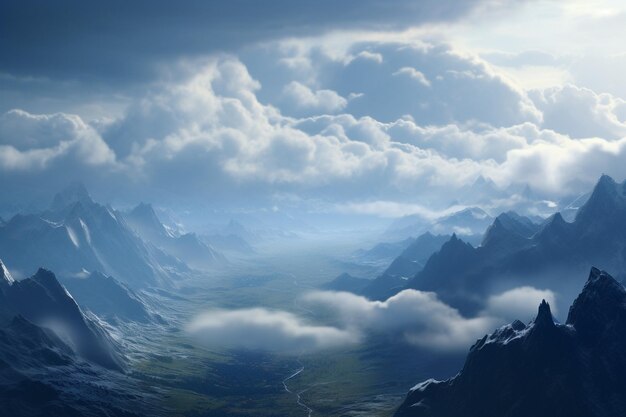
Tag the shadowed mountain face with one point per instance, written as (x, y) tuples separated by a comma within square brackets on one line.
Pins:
[(516, 252), (108, 298), (77, 234), (48, 353), (541, 369), (43, 301), (404, 266)]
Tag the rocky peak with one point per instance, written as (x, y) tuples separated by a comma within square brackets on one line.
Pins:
[(602, 302), (544, 316), (607, 197)]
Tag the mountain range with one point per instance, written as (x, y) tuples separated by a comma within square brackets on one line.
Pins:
[(410, 261), (576, 369), (515, 252), (186, 246), (77, 234)]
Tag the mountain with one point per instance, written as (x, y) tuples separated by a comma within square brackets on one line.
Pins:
[(77, 234), (108, 298), (42, 300), (382, 253), (413, 258), (49, 356), (228, 243), (512, 255), (470, 222), (187, 247), (541, 369), (348, 283), (410, 261)]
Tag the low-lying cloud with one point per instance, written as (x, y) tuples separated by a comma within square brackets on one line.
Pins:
[(417, 317), (519, 303), (263, 329)]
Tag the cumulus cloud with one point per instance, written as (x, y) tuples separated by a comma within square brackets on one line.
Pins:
[(33, 142), (324, 101), (414, 74), (580, 112), (210, 133), (263, 329)]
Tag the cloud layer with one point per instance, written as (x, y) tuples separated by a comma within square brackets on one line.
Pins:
[(416, 317), (372, 122)]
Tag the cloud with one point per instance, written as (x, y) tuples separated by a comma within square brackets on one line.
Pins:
[(417, 317), (263, 329), (47, 42), (414, 74), (302, 97), (519, 303), (33, 142), (580, 112), (211, 135)]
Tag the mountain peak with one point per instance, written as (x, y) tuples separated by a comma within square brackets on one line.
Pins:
[(144, 208), (544, 315), (73, 193), (600, 302), (607, 197)]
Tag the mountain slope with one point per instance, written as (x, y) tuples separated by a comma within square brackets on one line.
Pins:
[(404, 266), (42, 300), (541, 369), (108, 298)]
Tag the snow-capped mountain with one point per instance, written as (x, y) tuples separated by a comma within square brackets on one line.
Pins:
[(57, 360), (78, 234), (541, 369), (186, 247), (42, 300)]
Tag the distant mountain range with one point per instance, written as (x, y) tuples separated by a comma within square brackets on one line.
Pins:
[(186, 247), (76, 235), (470, 222), (541, 369), (517, 251), (410, 261)]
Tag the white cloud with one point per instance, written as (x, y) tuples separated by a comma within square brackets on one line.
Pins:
[(418, 316), (372, 56), (301, 96), (580, 112), (414, 74), (32, 142), (263, 329), (519, 303), (211, 132)]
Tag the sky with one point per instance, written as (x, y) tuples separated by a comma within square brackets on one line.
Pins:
[(353, 106)]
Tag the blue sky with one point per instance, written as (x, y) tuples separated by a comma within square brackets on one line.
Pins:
[(385, 108)]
